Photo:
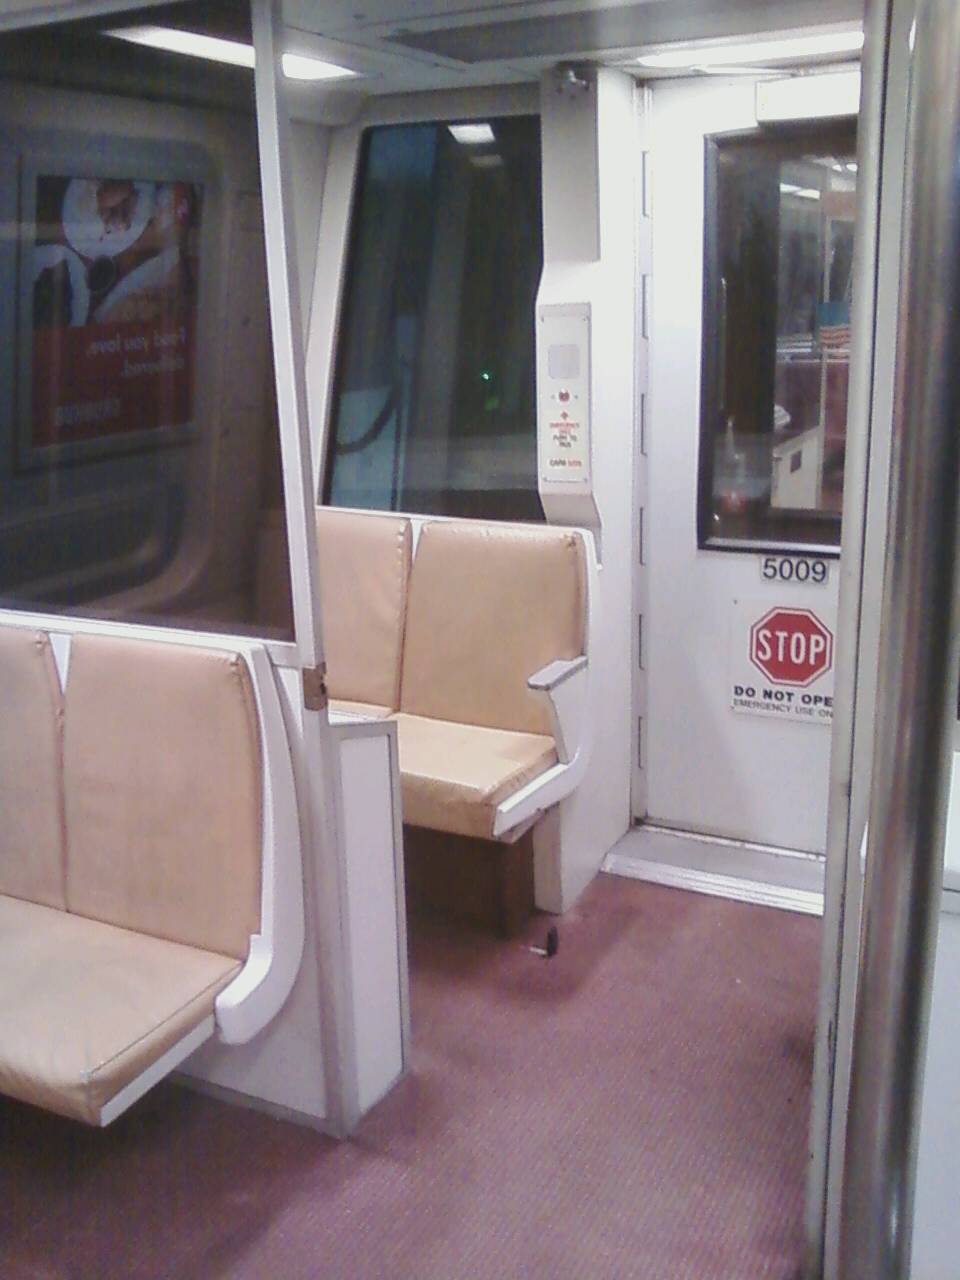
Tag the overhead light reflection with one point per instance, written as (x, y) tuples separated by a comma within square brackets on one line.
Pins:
[(804, 193), (472, 135), (235, 53)]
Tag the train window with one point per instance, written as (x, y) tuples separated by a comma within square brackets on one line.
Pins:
[(434, 406), (776, 340), (138, 437)]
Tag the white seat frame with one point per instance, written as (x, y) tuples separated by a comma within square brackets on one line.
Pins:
[(256, 995), (566, 686)]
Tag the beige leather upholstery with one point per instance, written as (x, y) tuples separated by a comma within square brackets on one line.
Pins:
[(455, 775), (31, 791), (162, 784), (364, 570), (365, 710), (490, 605), (85, 1007)]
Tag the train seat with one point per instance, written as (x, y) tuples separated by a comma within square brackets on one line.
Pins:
[(364, 565), (455, 775), (494, 677), (87, 1008), (140, 889)]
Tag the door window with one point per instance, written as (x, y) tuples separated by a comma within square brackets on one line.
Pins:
[(776, 341)]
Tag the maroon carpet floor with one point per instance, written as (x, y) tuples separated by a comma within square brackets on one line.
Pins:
[(635, 1107)]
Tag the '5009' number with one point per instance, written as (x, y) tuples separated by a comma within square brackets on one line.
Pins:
[(794, 569)]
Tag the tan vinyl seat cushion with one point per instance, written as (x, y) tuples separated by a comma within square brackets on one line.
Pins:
[(364, 569), (455, 775), (31, 788), (86, 1007), (489, 606)]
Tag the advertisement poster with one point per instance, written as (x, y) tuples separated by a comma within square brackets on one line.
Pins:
[(114, 272), (782, 661)]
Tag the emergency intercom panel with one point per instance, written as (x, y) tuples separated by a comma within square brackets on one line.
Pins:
[(564, 446)]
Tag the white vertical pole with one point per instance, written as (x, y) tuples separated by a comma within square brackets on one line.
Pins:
[(325, 868), (916, 699), (876, 259)]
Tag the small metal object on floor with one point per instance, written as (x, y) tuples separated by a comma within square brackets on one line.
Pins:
[(551, 945)]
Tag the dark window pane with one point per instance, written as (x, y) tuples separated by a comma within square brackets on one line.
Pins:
[(434, 402), (776, 343), (138, 437)]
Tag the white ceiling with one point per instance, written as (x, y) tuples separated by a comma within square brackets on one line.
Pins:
[(432, 44)]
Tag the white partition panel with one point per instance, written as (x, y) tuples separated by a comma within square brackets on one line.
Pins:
[(571, 845), (370, 813)]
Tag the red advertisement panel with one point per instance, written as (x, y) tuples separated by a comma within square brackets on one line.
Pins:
[(115, 271)]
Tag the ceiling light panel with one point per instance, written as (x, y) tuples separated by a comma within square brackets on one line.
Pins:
[(189, 43), (755, 52), (235, 53)]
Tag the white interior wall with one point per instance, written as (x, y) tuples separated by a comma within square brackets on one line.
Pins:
[(597, 815)]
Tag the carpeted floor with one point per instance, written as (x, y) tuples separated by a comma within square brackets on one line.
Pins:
[(635, 1107)]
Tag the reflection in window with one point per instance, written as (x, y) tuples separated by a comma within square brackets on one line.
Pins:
[(434, 398), (776, 351), (139, 473)]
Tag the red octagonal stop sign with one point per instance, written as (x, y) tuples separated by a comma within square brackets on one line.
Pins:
[(791, 646)]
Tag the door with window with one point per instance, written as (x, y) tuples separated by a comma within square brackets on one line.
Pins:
[(752, 253)]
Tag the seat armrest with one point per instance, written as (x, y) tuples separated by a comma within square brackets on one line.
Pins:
[(564, 683), (555, 673)]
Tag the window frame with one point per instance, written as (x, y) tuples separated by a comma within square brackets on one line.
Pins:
[(337, 232), (780, 136), (161, 142)]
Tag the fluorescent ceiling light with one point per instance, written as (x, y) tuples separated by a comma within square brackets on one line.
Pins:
[(233, 52), (755, 52), (297, 66), (170, 39), (472, 135)]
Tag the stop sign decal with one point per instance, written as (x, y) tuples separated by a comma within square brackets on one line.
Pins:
[(791, 646)]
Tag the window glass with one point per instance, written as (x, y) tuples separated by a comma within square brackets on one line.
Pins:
[(434, 405), (776, 343), (139, 472)]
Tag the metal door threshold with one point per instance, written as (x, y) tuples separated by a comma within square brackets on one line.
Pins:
[(780, 878)]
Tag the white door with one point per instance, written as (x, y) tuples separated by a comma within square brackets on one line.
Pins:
[(713, 623)]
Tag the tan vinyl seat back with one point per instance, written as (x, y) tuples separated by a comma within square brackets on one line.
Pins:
[(31, 789), (364, 572), (163, 791), (489, 606)]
